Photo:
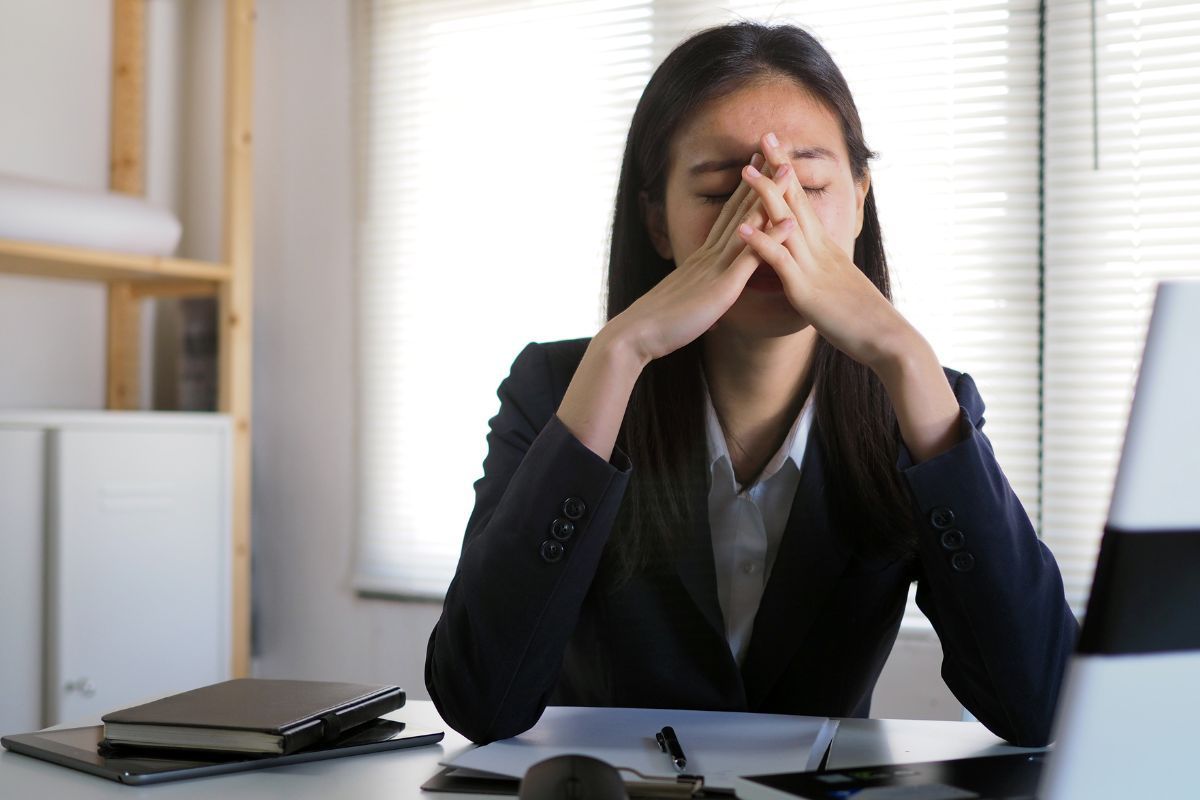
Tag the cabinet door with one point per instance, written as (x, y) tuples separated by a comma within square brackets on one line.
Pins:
[(139, 563), (22, 468)]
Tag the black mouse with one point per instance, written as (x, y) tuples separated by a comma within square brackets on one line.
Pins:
[(572, 777)]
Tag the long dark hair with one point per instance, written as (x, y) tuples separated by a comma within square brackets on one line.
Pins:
[(663, 428)]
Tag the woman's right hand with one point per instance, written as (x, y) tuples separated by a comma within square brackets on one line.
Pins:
[(680, 308), (698, 292)]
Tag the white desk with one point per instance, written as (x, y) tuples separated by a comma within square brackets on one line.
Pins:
[(398, 775)]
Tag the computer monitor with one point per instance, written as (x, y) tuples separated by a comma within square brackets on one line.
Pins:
[(1128, 721)]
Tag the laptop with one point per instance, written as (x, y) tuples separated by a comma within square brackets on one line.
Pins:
[(1128, 721), (1130, 707)]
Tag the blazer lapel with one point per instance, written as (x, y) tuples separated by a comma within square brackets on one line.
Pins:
[(809, 563), (695, 564)]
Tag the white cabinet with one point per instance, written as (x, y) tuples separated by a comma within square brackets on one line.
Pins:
[(115, 529), (22, 526)]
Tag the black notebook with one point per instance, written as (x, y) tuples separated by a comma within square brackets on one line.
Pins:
[(251, 715)]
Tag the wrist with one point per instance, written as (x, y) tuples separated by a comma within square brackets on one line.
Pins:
[(903, 354), (596, 399), (927, 411), (619, 345)]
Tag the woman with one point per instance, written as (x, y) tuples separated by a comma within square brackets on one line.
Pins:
[(720, 500)]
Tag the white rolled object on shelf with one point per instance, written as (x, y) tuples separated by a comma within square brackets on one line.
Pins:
[(38, 211)]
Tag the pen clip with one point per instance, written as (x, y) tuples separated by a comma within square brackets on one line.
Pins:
[(669, 744)]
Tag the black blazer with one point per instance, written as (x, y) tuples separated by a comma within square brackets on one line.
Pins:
[(524, 626)]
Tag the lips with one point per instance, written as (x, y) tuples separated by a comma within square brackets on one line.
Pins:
[(765, 279)]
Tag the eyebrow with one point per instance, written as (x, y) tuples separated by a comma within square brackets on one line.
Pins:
[(732, 163)]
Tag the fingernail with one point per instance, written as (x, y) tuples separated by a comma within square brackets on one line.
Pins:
[(756, 160), (745, 230), (771, 140), (782, 170), (752, 172)]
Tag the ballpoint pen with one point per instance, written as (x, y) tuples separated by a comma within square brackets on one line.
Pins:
[(669, 744)]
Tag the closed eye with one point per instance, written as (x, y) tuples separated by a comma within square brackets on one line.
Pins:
[(715, 199)]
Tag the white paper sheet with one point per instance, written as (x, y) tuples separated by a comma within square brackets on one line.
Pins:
[(718, 745)]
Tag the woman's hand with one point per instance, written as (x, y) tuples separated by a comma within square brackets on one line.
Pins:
[(825, 286), (680, 308), (819, 279), (698, 292)]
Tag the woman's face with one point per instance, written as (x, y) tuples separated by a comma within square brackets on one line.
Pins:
[(704, 167)]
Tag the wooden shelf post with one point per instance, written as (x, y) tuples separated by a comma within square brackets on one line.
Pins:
[(234, 290), (126, 173), (236, 303)]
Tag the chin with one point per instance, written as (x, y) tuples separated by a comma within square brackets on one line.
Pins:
[(762, 315)]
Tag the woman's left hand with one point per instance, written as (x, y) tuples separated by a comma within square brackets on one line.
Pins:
[(819, 279), (825, 286)]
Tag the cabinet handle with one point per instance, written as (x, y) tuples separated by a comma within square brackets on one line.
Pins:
[(82, 685)]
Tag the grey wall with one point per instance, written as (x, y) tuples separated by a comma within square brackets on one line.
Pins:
[(54, 89), (308, 621), (53, 86)]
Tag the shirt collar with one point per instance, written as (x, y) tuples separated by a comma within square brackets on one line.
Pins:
[(792, 449)]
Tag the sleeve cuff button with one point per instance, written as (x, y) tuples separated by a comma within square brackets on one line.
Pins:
[(963, 562), (562, 529), (552, 551), (573, 508), (953, 539), (941, 518)]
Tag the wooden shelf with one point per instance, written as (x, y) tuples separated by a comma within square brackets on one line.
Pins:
[(79, 263), (131, 278)]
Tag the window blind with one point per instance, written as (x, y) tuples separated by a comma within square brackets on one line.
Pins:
[(472, 144), (1122, 210), (493, 133)]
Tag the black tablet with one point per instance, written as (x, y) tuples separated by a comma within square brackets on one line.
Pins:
[(79, 748)]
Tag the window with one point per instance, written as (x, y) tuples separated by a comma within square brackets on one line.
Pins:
[(492, 137), (1122, 206)]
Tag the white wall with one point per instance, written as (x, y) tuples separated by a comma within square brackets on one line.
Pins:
[(54, 89), (55, 61), (308, 621)]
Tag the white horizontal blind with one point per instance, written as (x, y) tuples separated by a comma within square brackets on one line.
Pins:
[(948, 92), (493, 136), (1119, 218)]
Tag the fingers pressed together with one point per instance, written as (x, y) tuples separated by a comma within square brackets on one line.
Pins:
[(782, 197)]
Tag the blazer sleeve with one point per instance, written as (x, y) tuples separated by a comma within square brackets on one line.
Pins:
[(496, 652), (991, 589)]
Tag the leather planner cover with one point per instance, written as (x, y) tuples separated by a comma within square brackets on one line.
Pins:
[(252, 715)]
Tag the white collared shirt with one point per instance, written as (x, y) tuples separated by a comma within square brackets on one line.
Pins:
[(747, 525)]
